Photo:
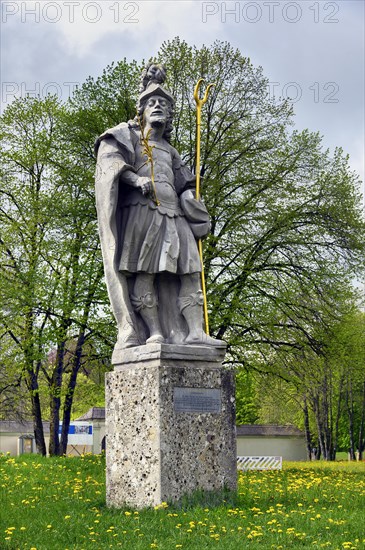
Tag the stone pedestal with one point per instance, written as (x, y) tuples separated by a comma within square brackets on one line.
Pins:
[(170, 424)]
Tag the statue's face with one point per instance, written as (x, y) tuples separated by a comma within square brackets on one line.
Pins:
[(156, 110)]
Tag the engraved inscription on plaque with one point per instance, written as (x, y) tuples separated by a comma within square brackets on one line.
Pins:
[(197, 400)]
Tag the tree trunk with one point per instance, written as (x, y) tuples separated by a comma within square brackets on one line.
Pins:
[(326, 412), (308, 438), (32, 385), (350, 414), (361, 445), (338, 415), (67, 406), (55, 401), (319, 424), (318, 452)]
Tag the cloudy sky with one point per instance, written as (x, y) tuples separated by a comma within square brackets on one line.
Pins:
[(311, 51)]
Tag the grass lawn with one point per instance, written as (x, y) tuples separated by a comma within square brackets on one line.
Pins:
[(59, 503)]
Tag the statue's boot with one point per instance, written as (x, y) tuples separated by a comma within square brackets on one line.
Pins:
[(147, 307), (124, 342), (127, 337), (191, 308)]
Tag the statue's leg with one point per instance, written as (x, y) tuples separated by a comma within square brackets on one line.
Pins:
[(191, 303), (145, 303)]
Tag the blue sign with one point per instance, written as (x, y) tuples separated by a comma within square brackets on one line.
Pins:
[(77, 429)]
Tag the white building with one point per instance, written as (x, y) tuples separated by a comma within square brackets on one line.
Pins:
[(271, 440), (86, 435)]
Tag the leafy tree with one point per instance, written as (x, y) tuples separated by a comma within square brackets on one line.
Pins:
[(27, 235), (322, 393), (52, 265)]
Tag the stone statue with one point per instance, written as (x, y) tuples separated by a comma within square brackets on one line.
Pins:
[(148, 226)]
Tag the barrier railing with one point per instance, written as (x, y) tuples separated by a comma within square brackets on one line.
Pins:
[(259, 462)]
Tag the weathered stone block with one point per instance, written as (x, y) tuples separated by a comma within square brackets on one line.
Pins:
[(170, 425)]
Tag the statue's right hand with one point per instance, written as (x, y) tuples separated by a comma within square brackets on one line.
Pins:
[(144, 184)]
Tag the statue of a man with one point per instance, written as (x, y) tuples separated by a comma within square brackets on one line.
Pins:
[(148, 229)]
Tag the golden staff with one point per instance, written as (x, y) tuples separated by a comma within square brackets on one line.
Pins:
[(199, 104), (147, 151)]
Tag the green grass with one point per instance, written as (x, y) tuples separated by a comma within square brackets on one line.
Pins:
[(49, 503)]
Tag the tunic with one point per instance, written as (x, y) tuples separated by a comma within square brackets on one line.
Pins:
[(156, 239)]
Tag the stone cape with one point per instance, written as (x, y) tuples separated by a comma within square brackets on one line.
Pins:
[(116, 153)]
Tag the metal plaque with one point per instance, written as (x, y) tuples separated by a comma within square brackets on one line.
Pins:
[(197, 400)]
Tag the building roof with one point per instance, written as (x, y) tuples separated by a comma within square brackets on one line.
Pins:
[(95, 413), (25, 427), (272, 430)]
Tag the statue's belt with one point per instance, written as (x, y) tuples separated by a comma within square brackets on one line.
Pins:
[(165, 207)]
